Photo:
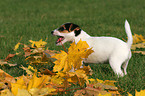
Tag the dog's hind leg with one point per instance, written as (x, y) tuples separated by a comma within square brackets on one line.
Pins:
[(116, 66), (125, 66)]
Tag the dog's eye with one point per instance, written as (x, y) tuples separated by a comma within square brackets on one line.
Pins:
[(61, 29)]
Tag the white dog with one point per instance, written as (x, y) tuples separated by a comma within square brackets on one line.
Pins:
[(111, 49)]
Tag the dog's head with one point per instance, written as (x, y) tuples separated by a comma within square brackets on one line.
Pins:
[(66, 32)]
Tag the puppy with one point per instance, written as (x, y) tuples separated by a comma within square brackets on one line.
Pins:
[(111, 49)]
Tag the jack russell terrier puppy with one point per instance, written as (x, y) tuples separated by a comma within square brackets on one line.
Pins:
[(111, 49)]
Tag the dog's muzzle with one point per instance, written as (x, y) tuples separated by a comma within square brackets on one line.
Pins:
[(60, 38)]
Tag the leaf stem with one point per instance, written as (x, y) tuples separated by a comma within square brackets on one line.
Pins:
[(64, 48)]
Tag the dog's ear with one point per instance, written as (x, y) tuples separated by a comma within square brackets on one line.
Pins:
[(77, 31), (74, 26)]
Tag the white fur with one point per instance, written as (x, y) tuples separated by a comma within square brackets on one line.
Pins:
[(111, 49)]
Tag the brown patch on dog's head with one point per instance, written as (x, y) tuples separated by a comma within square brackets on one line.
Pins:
[(69, 27)]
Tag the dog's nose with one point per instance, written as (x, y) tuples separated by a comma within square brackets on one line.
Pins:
[(52, 32)]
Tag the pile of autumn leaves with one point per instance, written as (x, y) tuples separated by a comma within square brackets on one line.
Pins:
[(61, 79)]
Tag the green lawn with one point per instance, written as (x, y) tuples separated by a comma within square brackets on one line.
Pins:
[(35, 19)]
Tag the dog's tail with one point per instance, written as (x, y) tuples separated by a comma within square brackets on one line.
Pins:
[(129, 34)]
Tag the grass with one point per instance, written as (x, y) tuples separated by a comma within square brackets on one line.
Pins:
[(35, 19)]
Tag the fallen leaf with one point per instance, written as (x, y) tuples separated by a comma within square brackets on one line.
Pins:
[(27, 70), (27, 51), (4, 62), (50, 53), (142, 52), (129, 94), (36, 82), (9, 57), (138, 38), (81, 93), (38, 44), (17, 46), (20, 84), (23, 92), (27, 54), (139, 45), (141, 93), (107, 94), (6, 92), (47, 72), (5, 78), (42, 92)]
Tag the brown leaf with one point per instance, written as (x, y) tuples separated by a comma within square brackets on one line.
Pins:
[(26, 49), (50, 53), (9, 57), (142, 52), (4, 62), (6, 78), (47, 72), (80, 93), (139, 45), (89, 91), (2, 73), (27, 54)]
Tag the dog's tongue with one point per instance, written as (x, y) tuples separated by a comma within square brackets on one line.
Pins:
[(59, 39)]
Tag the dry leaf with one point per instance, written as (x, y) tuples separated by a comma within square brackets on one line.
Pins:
[(23, 92), (142, 52), (17, 46), (27, 70), (50, 53), (139, 45), (38, 44), (6, 92), (20, 84), (138, 38), (9, 57), (141, 93), (47, 72), (4, 62), (5, 78)]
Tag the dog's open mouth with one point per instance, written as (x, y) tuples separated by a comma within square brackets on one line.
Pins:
[(60, 39)]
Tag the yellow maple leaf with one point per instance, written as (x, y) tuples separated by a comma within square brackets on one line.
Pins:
[(23, 92), (100, 81), (73, 58), (79, 76), (141, 93), (91, 79), (36, 82), (6, 92), (129, 94), (17, 46), (38, 44), (31, 68), (42, 91), (107, 94), (57, 79), (27, 70), (20, 84), (138, 38)]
